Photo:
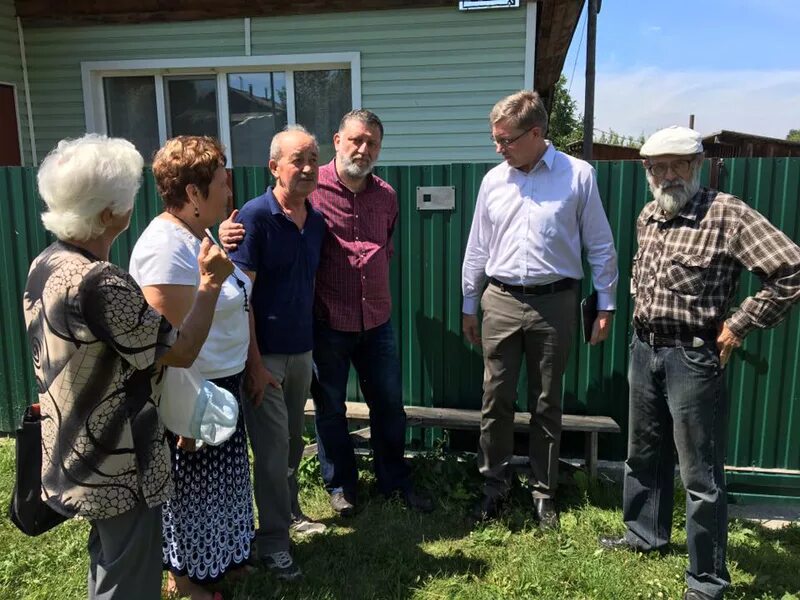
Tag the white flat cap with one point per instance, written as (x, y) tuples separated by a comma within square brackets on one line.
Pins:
[(673, 140)]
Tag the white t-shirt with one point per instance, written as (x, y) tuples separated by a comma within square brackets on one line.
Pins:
[(166, 254)]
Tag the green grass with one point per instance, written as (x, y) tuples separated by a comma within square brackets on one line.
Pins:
[(389, 552)]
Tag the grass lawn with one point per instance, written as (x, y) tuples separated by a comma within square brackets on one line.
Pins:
[(388, 552)]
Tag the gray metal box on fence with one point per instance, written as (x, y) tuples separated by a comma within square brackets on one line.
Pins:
[(441, 197)]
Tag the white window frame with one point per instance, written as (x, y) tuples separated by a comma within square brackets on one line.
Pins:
[(93, 72)]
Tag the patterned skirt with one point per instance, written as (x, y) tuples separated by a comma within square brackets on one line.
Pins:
[(208, 525)]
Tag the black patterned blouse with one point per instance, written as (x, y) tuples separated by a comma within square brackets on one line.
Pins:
[(94, 341)]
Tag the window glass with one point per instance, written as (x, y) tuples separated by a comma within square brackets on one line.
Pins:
[(192, 106), (257, 107), (131, 112), (321, 99)]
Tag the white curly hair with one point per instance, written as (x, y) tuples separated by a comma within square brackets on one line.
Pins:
[(82, 177)]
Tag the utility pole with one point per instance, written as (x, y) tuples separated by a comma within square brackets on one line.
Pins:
[(691, 121), (588, 109)]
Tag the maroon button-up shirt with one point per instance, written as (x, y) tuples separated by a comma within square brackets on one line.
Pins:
[(352, 287)]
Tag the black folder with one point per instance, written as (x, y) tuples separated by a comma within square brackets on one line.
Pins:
[(588, 315)]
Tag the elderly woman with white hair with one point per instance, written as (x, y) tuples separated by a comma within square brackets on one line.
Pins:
[(99, 352)]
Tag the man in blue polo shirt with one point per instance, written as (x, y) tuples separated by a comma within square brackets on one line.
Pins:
[(280, 253)]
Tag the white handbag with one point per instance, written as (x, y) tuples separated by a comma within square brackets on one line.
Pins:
[(194, 407)]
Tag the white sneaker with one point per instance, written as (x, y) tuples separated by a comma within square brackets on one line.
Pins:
[(304, 526)]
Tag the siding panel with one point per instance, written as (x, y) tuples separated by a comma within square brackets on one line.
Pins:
[(439, 69)]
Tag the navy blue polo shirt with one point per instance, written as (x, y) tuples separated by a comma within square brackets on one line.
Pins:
[(285, 261)]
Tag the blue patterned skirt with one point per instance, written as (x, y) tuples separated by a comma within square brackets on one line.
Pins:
[(208, 525)]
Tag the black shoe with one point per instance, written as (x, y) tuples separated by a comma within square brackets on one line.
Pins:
[(488, 507), (416, 501), (341, 505), (696, 595), (621, 543), (282, 565), (546, 511)]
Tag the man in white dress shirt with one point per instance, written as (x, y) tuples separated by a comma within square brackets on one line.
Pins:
[(535, 213)]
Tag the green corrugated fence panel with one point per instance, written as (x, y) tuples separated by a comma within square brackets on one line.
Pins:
[(21, 238), (439, 368)]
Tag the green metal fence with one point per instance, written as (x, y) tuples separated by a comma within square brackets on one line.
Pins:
[(439, 369)]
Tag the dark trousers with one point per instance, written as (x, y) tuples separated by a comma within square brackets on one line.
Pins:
[(541, 329), (678, 400), (125, 555), (373, 354)]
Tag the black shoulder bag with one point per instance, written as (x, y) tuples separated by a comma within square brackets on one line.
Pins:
[(27, 510)]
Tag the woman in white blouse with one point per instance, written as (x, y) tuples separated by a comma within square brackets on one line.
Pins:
[(208, 526)]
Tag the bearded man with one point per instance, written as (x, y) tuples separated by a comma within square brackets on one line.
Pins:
[(352, 310), (693, 244)]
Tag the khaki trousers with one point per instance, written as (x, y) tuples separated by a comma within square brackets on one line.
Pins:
[(541, 328)]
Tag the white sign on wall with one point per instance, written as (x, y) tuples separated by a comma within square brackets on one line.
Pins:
[(481, 4)]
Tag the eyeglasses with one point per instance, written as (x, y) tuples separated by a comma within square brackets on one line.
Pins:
[(680, 167), (506, 142), (243, 287)]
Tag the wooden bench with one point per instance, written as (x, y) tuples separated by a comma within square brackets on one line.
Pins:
[(470, 420)]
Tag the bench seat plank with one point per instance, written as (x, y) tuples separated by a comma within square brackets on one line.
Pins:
[(459, 418)]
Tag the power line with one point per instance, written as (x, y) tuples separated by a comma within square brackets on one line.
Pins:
[(577, 53)]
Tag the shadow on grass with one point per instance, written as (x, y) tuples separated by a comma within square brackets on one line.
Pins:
[(771, 559), (382, 551), (379, 553)]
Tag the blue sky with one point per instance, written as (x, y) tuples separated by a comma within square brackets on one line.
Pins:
[(735, 64)]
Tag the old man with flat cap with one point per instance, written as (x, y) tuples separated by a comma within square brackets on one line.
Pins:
[(693, 244)]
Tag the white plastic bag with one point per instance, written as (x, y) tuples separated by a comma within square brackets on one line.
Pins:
[(194, 407)]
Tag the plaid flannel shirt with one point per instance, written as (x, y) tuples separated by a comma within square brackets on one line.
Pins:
[(686, 269), (352, 288)]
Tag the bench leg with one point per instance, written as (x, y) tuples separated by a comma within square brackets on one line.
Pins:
[(359, 435), (591, 454)]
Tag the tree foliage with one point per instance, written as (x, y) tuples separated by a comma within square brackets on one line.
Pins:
[(793, 135), (566, 124), (616, 139)]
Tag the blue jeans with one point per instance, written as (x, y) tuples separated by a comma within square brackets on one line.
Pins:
[(678, 400), (374, 355)]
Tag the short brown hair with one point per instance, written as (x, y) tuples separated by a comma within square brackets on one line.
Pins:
[(184, 160), (522, 110)]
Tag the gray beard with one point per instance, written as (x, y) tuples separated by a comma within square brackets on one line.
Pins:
[(353, 169), (672, 198)]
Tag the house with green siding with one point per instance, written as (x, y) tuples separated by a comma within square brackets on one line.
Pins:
[(241, 71)]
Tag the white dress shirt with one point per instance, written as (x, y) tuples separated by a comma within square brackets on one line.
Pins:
[(530, 229)]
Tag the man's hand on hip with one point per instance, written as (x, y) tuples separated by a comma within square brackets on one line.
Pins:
[(231, 233), (471, 329), (256, 380), (601, 327), (726, 342)]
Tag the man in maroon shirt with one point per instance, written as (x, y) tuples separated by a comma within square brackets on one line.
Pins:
[(352, 309)]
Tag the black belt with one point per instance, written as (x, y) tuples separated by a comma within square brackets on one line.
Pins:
[(535, 290), (685, 339)]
